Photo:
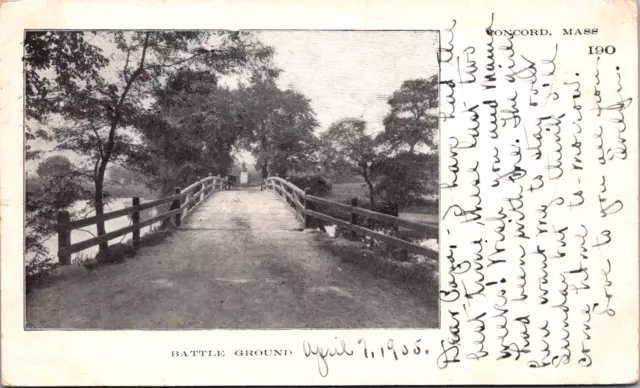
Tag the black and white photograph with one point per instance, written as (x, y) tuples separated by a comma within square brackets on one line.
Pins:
[(231, 179)]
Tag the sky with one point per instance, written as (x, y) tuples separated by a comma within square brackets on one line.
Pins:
[(347, 73), (351, 73)]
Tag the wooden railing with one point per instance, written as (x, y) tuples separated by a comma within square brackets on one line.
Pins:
[(292, 194), (309, 207), (182, 202)]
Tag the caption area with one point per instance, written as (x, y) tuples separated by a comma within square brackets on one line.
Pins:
[(363, 349), (237, 352)]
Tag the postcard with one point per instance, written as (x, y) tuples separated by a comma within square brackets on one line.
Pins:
[(319, 193)]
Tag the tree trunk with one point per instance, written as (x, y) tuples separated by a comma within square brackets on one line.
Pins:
[(280, 168), (108, 149), (264, 165), (99, 203), (371, 191)]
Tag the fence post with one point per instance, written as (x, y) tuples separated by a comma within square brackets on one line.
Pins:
[(64, 237), (199, 188), (354, 217), (135, 218), (286, 197), (177, 203), (308, 221), (396, 213)]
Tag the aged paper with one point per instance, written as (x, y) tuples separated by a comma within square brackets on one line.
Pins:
[(537, 191)]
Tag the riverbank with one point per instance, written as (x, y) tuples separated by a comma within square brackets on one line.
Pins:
[(83, 209)]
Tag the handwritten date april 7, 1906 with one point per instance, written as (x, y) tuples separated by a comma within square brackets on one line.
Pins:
[(392, 350)]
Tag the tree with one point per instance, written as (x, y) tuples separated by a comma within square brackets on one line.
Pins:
[(57, 188), (70, 59), (53, 166), (346, 141), (403, 178), (413, 119), (97, 110), (54, 62), (192, 128), (280, 125), (292, 141)]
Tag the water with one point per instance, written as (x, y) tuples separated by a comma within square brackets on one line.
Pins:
[(430, 243), (78, 211)]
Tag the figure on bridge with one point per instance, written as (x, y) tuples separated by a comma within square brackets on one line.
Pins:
[(230, 180)]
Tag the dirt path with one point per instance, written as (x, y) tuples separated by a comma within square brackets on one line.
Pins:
[(240, 261)]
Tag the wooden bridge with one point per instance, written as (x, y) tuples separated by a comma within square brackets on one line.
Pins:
[(239, 259)]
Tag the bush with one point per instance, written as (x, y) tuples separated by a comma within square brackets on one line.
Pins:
[(405, 178), (45, 197), (37, 270), (319, 185)]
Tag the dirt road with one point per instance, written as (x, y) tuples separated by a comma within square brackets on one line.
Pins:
[(241, 260)]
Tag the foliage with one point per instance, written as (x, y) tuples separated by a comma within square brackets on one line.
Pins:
[(54, 63), (53, 166), (42, 204), (37, 270), (279, 125), (346, 143), (68, 55), (402, 178), (412, 120), (292, 139), (190, 131), (318, 185)]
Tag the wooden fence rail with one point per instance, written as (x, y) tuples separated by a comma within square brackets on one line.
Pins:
[(305, 206), (182, 202)]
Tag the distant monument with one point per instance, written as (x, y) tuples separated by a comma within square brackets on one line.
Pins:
[(244, 175)]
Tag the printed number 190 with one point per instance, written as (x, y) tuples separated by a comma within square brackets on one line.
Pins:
[(602, 50)]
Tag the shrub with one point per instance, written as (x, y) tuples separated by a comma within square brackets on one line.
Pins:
[(37, 270), (319, 185), (44, 199), (116, 253), (405, 178)]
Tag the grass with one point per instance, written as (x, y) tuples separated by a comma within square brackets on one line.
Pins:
[(37, 272), (342, 192), (345, 191), (420, 278)]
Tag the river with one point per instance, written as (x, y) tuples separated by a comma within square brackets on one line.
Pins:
[(77, 211)]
